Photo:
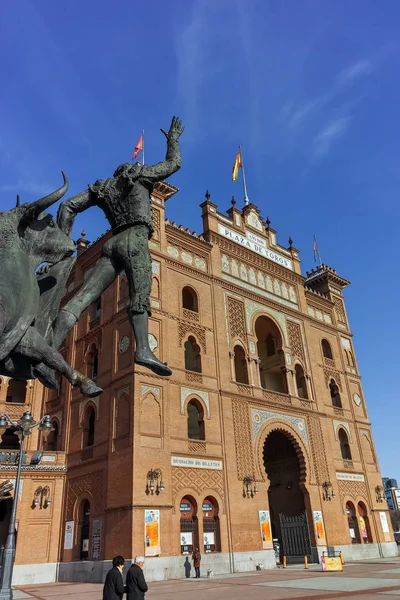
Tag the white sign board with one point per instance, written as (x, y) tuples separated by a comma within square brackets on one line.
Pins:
[(397, 498), (196, 463), (384, 522), (350, 477), (247, 242), (69, 535)]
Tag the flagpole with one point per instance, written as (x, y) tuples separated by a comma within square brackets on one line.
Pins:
[(317, 249), (246, 198), (143, 146)]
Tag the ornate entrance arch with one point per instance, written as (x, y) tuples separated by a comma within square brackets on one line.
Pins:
[(284, 461)]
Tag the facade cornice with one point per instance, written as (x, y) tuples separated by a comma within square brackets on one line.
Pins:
[(35, 468)]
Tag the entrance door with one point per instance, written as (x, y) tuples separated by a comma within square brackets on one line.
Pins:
[(295, 538), (287, 497)]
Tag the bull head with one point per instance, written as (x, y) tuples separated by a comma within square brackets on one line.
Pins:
[(34, 209)]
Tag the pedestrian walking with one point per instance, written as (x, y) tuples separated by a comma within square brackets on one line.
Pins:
[(136, 585), (114, 585), (196, 557)]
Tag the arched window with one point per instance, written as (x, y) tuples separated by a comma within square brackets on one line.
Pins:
[(301, 382), (192, 355), (271, 356), (16, 391), (155, 288), (89, 427), (353, 523), (344, 444), (51, 443), (189, 299), (189, 525), (349, 358), (84, 519), (335, 394), (195, 421), (241, 374), (326, 349), (211, 526), (92, 360), (365, 528), (9, 440)]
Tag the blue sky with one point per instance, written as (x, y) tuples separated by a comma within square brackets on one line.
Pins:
[(310, 89)]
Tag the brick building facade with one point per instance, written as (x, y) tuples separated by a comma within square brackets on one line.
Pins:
[(262, 427)]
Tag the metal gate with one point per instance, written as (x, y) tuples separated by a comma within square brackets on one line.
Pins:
[(296, 542)]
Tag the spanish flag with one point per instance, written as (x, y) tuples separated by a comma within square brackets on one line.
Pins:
[(138, 147), (236, 166)]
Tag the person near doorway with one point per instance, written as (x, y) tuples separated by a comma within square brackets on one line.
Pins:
[(196, 558), (136, 585), (114, 585)]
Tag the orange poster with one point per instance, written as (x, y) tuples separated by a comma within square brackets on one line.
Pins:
[(265, 526), (319, 525), (152, 532)]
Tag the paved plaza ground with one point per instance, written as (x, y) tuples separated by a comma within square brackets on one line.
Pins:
[(378, 579)]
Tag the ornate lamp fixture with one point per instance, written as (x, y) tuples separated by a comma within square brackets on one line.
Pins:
[(42, 497), (249, 487), (379, 494), (152, 485), (328, 493)]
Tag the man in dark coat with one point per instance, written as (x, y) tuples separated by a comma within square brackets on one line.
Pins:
[(114, 585), (136, 586)]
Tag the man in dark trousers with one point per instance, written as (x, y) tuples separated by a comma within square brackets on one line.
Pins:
[(114, 585), (136, 586), (196, 557)]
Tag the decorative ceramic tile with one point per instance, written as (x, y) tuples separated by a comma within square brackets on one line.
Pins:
[(172, 251), (186, 257), (260, 280), (254, 221), (259, 417), (345, 343), (155, 267), (225, 263), (200, 263), (252, 348), (292, 294), (149, 388), (153, 343)]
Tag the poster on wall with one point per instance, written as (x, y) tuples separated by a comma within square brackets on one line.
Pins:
[(96, 539), (384, 522), (186, 541), (69, 535), (319, 524), (265, 527), (152, 532), (363, 528), (209, 538)]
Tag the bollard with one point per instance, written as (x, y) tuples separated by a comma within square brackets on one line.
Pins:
[(284, 562), (341, 558), (305, 562)]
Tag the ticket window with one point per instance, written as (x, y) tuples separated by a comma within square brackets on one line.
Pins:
[(188, 525), (211, 534)]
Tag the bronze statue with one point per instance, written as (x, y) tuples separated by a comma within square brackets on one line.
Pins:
[(28, 304), (126, 202)]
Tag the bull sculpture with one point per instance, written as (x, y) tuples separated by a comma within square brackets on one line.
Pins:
[(29, 302)]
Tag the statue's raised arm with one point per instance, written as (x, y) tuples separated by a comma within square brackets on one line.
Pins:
[(173, 160)]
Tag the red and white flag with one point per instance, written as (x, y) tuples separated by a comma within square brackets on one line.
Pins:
[(138, 147)]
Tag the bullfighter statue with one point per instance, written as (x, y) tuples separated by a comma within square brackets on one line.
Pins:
[(126, 202)]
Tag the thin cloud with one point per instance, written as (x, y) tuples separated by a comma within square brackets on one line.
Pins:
[(29, 187), (346, 77), (329, 135)]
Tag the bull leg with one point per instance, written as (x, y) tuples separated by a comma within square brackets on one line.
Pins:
[(99, 278), (35, 347)]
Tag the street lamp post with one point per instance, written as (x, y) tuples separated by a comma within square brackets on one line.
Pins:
[(23, 428)]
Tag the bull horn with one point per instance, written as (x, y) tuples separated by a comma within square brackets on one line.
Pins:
[(17, 202), (35, 208)]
